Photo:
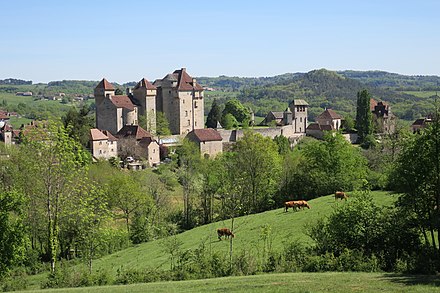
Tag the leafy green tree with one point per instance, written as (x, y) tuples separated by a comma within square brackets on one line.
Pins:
[(349, 123), (214, 116), (229, 121), (13, 238), (256, 166), (236, 108), (58, 160), (364, 124), (327, 166), (417, 176), (119, 92), (189, 177), (162, 125), (282, 143), (80, 123)]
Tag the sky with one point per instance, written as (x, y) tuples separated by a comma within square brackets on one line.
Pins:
[(129, 40)]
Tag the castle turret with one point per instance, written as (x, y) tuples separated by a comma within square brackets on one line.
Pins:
[(102, 90), (299, 111), (145, 93)]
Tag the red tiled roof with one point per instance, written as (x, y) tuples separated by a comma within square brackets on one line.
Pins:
[(329, 114), (122, 101), (145, 84), (207, 134), (185, 82), (4, 116), (104, 84), (133, 130), (420, 121), (96, 134), (109, 135), (313, 126)]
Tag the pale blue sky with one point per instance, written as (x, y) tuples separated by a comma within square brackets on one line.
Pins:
[(128, 40)]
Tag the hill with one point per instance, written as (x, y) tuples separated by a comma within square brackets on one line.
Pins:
[(284, 226)]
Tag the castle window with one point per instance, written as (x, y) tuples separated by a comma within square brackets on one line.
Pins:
[(195, 104), (195, 123), (183, 101), (189, 122), (186, 113), (300, 119)]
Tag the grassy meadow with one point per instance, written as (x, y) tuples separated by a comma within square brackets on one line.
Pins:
[(289, 282), (284, 227)]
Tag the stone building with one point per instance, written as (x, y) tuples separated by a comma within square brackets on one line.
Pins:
[(135, 141), (103, 144), (145, 94), (180, 98), (208, 140), (383, 118), (295, 115), (113, 111), (330, 117)]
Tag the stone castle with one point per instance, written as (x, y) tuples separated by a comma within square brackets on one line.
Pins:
[(177, 95)]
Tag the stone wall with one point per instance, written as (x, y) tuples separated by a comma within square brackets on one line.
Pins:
[(233, 135)]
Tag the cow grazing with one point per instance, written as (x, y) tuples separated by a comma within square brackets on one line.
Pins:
[(341, 195), (294, 204), (224, 232)]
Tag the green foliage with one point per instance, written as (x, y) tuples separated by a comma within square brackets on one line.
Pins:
[(13, 240), (79, 123), (323, 167), (162, 125), (283, 144), (236, 108), (364, 124), (228, 121), (214, 116)]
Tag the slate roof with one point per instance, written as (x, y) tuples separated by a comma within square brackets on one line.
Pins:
[(206, 134), (133, 131), (329, 114), (300, 103), (104, 84), (122, 101)]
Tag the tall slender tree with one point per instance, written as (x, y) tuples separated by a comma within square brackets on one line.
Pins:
[(214, 116), (364, 124)]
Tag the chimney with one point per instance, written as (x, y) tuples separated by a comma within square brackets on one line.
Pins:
[(128, 91), (183, 69)]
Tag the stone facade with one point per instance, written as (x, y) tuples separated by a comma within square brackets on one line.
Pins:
[(330, 117), (383, 118), (208, 140), (103, 144), (299, 115), (180, 98)]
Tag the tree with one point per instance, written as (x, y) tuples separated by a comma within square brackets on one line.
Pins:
[(58, 160), (259, 165), (80, 123), (214, 116), (229, 121), (417, 176), (13, 238), (364, 124), (282, 143), (236, 108), (162, 125), (348, 123), (119, 92)]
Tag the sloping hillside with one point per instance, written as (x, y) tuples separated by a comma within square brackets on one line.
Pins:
[(284, 226)]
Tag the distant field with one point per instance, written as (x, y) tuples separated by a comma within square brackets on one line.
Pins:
[(12, 99), (421, 94), (290, 282)]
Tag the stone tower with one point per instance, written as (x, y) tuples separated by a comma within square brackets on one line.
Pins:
[(102, 90), (145, 94), (299, 111), (180, 98)]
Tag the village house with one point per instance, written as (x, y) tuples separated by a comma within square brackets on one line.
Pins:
[(295, 115), (328, 120), (383, 118), (103, 144), (421, 123), (135, 141), (208, 140)]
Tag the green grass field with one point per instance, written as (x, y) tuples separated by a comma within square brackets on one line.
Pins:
[(285, 226), (421, 94), (290, 282)]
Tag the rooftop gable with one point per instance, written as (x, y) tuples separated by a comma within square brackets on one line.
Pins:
[(144, 83), (133, 131), (122, 101), (206, 134), (329, 114), (96, 134), (186, 82), (104, 84)]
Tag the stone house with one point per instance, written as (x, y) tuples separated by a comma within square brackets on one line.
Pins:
[(135, 141), (180, 98), (383, 118), (208, 140), (103, 144), (295, 115), (330, 117), (421, 123)]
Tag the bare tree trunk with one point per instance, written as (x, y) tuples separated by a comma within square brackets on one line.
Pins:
[(231, 250)]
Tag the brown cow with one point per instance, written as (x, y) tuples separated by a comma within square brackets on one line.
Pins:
[(294, 204), (224, 232), (341, 195)]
